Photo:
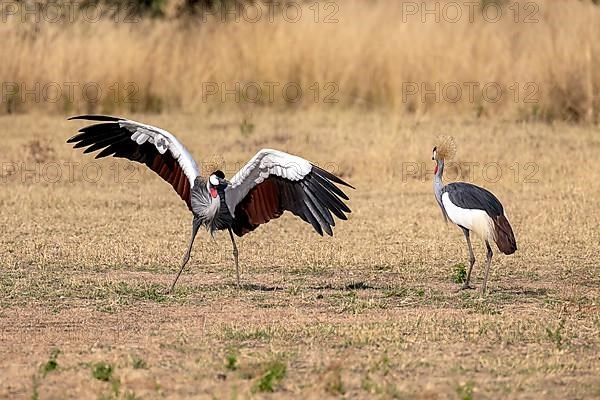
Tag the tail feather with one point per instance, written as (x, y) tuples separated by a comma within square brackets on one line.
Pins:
[(505, 238)]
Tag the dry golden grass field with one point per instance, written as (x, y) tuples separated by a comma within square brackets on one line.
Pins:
[(87, 248)]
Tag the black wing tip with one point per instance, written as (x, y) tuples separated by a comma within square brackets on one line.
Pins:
[(347, 184), (95, 117), (90, 117), (332, 177)]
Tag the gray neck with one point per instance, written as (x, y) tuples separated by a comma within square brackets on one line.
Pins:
[(204, 206), (437, 181)]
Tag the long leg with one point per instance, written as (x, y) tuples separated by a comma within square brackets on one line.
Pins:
[(490, 253), (186, 256), (235, 257), (471, 259)]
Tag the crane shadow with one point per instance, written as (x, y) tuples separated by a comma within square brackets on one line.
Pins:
[(258, 287), (350, 286), (527, 292)]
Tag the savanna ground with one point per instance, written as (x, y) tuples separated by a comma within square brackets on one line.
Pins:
[(372, 312)]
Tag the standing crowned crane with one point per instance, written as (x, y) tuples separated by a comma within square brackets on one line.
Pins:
[(269, 184), (472, 208)]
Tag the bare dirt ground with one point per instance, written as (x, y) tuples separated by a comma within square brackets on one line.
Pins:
[(86, 249)]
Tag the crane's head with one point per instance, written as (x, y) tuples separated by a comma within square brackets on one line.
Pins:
[(445, 149), (217, 182)]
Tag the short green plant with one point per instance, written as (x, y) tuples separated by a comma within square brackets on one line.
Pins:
[(369, 386), (252, 334), (396, 292), (130, 396), (294, 290), (465, 391), (138, 363), (334, 384), (51, 364), (459, 273), (102, 371), (231, 361), (385, 365), (556, 335), (268, 381), (151, 292), (246, 128), (115, 385), (35, 382)]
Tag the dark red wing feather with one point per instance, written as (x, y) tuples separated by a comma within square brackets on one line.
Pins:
[(311, 199)]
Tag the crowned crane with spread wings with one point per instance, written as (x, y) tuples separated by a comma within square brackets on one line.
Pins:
[(269, 184)]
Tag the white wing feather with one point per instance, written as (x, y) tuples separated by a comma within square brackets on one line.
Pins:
[(163, 141), (265, 163)]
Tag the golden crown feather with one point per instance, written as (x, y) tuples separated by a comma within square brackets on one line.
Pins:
[(445, 147), (211, 164)]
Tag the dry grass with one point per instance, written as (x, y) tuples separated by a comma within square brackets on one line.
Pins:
[(370, 312), (544, 62)]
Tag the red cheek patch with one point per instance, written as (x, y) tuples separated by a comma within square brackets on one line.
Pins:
[(436, 169), (213, 193)]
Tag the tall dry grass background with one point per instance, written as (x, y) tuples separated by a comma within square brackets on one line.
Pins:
[(373, 51)]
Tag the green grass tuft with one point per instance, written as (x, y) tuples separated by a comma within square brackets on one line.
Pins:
[(51, 364), (459, 273), (396, 292), (333, 383), (556, 335), (269, 380), (231, 361), (35, 382), (130, 396), (246, 128), (138, 363), (465, 391), (102, 371)]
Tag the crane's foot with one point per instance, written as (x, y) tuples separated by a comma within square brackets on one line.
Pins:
[(169, 291), (466, 286)]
